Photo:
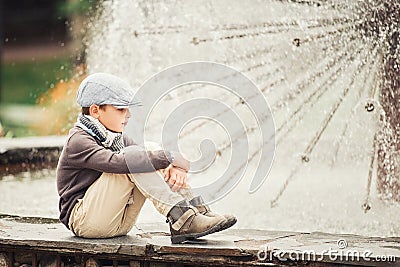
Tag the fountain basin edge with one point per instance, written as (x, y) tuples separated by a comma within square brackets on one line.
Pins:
[(29, 153)]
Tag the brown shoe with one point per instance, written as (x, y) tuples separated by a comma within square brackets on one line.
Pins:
[(186, 223), (204, 209)]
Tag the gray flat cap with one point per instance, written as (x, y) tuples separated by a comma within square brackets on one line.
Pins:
[(104, 88)]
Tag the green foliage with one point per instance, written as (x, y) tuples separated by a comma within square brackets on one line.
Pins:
[(77, 7), (24, 82)]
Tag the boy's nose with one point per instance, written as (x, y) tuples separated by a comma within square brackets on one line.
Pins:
[(128, 114)]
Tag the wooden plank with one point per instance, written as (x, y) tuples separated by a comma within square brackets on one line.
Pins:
[(153, 246)]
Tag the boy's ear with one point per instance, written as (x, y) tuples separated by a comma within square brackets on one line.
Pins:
[(94, 111)]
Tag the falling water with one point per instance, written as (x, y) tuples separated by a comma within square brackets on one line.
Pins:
[(328, 70)]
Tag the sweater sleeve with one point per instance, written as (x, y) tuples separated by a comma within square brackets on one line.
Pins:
[(85, 152), (174, 157)]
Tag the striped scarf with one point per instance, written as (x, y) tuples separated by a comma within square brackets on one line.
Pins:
[(107, 138)]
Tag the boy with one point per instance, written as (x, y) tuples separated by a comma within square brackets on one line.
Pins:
[(99, 196)]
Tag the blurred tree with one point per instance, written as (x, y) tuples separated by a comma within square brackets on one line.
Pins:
[(32, 21), (58, 107), (80, 13), (1, 51)]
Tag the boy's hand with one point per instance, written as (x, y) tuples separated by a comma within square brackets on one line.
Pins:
[(175, 177), (181, 162)]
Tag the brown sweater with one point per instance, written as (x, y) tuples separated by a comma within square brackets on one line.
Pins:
[(84, 159)]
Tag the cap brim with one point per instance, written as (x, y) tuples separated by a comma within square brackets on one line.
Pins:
[(130, 105)]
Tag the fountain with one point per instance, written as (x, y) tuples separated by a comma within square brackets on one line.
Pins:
[(383, 24), (328, 71)]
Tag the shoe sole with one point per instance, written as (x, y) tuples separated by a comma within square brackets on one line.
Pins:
[(226, 225), (229, 223), (222, 226), (178, 239)]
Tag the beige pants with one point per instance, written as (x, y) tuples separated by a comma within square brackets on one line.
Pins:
[(112, 204)]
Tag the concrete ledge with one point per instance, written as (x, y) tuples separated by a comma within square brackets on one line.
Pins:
[(29, 153), (30, 240)]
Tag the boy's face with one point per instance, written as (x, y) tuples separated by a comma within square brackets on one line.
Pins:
[(114, 119)]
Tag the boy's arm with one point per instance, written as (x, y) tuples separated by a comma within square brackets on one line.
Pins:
[(84, 152), (175, 158)]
